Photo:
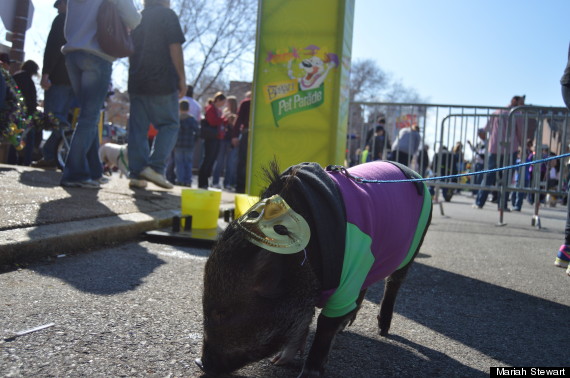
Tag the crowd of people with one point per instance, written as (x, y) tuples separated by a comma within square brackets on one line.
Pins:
[(408, 149), (76, 73)]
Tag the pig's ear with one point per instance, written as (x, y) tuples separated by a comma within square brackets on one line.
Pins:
[(269, 274)]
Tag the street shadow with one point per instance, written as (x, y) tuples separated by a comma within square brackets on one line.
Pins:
[(513, 328), (80, 204), (40, 178), (104, 272), (354, 355)]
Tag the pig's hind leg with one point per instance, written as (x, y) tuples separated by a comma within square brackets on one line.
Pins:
[(391, 287)]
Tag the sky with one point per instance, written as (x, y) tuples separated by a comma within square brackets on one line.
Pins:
[(455, 52)]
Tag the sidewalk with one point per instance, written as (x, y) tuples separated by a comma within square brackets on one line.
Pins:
[(39, 218)]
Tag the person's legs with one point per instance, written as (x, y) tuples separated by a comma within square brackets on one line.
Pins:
[(210, 152), (188, 161), (402, 158), (164, 115), (90, 76), (179, 166), (563, 256), (231, 165), (58, 101), (171, 174), (220, 163), (139, 148), (488, 180), (242, 162)]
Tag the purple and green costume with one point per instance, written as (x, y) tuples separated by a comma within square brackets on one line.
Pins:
[(362, 232), (384, 226)]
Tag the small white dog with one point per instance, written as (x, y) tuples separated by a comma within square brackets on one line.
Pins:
[(115, 155)]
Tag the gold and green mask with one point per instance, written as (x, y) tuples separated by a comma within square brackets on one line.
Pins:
[(272, 225)]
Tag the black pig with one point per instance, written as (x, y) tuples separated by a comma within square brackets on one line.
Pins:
[(318, 238)]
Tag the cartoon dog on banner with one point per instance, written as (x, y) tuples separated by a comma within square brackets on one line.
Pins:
[(315, 69), (318, 238)]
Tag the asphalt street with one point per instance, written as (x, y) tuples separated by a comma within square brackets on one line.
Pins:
[(477, 296)]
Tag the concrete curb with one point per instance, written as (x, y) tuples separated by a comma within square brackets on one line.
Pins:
[(31, 243)]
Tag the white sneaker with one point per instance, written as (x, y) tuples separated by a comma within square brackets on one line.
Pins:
[(156, 178), (138, 184)]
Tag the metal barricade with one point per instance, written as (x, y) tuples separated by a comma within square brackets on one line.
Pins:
[(523, 133)]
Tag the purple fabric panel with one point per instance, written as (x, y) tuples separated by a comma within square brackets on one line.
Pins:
[(387, 212)]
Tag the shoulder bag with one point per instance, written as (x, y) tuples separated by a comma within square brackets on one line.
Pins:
[(207, 132), (112, 34)]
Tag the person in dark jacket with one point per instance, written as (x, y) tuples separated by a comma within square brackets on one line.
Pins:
[(184, 148), (58, 95)]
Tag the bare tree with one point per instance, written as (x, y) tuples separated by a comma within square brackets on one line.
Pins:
[(368, 82), (220, 35)]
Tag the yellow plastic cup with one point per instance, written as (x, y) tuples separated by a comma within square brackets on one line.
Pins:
[(242, 204), (203, 205)]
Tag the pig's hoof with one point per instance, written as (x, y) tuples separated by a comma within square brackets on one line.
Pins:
[(283, 358), (310, 374), (384, 332), (198, 362)]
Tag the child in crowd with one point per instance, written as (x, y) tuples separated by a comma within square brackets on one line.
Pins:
[(184, 148)]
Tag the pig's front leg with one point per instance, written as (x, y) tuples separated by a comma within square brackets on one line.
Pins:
[(327, 329)]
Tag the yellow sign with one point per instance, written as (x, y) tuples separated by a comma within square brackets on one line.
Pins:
[(301, 84)]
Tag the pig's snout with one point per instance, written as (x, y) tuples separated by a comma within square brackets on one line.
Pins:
[(212, 365)]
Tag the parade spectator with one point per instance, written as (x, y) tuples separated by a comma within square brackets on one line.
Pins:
[(58, 94), (381, 141), (423, 161), (227, 156), (553, 173), (478, 156), (563, 256), (156, 82), (496, 128), (184, 148), (406, 145), (522, 177), (195, 107), (240, 139), (26, 85), (196, 112), (214, 117), (89, 70)]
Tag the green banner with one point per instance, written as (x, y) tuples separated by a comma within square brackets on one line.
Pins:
[(298, 102), (301, 84)]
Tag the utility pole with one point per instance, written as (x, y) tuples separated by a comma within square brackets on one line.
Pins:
[(19, 34)]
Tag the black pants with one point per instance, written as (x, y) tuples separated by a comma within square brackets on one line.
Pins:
[(241, 164), (211, 148)]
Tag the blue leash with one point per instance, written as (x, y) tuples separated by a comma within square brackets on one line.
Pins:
[(362, 180)]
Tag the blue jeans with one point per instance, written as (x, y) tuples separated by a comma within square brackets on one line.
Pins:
[(90, 76), (183, 165), (231, 167), (162, 112), (223, 153), (58, 100), (490, 179)]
